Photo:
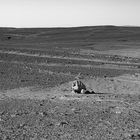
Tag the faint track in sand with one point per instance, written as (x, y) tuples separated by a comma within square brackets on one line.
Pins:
[(68, 58)]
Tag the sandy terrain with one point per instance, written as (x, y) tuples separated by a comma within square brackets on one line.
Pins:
[(57, 113), (125, 52), (37, 67), (124, 84)]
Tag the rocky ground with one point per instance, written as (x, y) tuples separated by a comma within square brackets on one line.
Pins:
[(37, 67), (36, 102), (111, 113)]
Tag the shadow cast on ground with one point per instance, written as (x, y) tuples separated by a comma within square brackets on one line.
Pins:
[(92, 92)]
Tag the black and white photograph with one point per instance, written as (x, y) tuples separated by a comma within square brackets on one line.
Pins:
[(69, 70)]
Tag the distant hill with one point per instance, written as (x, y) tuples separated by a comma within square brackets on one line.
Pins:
[(72, 37)]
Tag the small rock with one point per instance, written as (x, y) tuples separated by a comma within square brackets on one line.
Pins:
[(1, 119), (13, 115), (41, 113), (45, 113)]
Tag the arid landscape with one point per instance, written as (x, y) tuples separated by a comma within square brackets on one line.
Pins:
[(37, 68)]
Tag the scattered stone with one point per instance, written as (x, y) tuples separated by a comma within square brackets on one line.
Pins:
[(45, 113), (1, 119), (83, 91), (41, 113), (119, 110), (61, 123), (78, 86), (135, 136), (13, 115)]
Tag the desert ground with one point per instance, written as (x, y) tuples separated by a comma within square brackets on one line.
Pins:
[(37, 68)]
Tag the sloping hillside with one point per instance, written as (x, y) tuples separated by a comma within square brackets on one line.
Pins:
[(96, 37)]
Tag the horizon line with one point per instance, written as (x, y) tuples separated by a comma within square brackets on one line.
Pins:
[(106, 25)]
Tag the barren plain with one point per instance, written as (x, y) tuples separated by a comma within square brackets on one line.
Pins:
[(37, 67)]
